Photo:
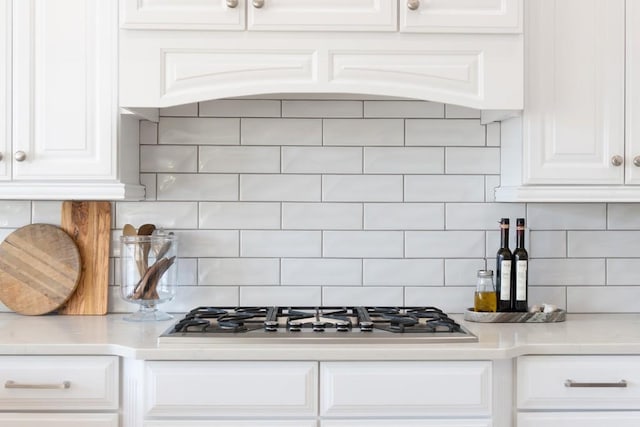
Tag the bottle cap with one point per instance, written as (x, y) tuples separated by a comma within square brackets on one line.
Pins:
[(520, 221), (485, 273)]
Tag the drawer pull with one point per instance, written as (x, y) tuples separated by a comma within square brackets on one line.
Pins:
[(62, 385), (571, 383)]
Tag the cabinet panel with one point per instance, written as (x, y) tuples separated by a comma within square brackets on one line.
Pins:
[(415, 388), (574, 92), (542, 382), (5, 89), (578, 419), (454, 16), (406, 423), (632, 136), (182, 15), (59, 420), (325, 15), (231, 389), (232, 423)]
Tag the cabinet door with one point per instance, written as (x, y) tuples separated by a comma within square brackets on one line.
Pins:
[(579, 419), (325, 15), (461, 16), (182, 15), (64, 97), (232, 423), (59, 420), (632, 136), (406, 423), (573, 123), (5, 89)]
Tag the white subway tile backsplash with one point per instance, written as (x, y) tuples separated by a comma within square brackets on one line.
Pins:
[(197, 187), (481, 216), (404, 160), (556, 295), (280, 243), (623, 216), (187, 297), (472, 160), (493, 134), (239, 215), (184, 110), (443, 133), (445, 244), (455, 299), (547, 244), (282, 188), (15, 213), (45, 212), (240, 108), (373, 296), (614, 244), (464, 272), (187, 271), (404, 216), (443, 188), (239, 271), (208, 243), (490, 183), (403, 109), (281, 131), (403, 272), (239, 159), (603, 299), (363, 132), (566, 272), (324, 108), (567, 216), (198, 131), (623, 271), (321, 160), (168, 158), (148, 180), (452, 111), (362, 244), (148, 132), (321, 272), (281, 295), (169, 215), (362, 188), (322, 216)]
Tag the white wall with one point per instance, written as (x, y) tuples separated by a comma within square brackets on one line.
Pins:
[(354, 202)]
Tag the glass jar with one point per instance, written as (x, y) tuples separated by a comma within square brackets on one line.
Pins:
[(485, 298)]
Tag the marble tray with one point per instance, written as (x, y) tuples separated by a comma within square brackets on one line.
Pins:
[(539, 317)]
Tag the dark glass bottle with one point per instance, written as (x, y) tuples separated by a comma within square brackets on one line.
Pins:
[(520, 269), (503, 269)]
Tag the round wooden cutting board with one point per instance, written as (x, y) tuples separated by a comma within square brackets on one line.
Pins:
[(40, 268)]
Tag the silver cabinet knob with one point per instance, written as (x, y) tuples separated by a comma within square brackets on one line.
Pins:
[(258, 3), (20, 156), (413, 4), (636, 161), (232, 4)]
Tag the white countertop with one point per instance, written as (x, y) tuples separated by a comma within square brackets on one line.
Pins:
[(84, 335)]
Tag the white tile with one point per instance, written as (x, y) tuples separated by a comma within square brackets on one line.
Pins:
[(362, 244), (614, 244), (187, 272), (239, 215), (240, 108), (444, 244), (280, 243), (285, 188), (472, 160), (491, 182), (15, 213), (187, 298), (150, 187), (208, 243), (455, 299), (452, 111), (443, 188), (399, 160), (148, 132), (168, 158), (404, 216), (603, 299), (322, 216), (321, 160), (169, 215), (623, 216), (556, 295), (481, 216), (4, 232), (372, 296), (403, 272), (281, 295), (403, 109), (493, 134), (197, 131), (319, 108), (623, 272), (239, 159), (197, 187), (547, 244), (184, 110), (566, 272), (434, 132), (363, 132), (281, 131), (321, 272), (362, 188), (567, 216), (463, 272), (45, 212), (239, 271)]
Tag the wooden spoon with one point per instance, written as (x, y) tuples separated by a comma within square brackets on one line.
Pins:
[(129, 231), (146, 230)]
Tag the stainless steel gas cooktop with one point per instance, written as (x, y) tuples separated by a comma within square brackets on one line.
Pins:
[(316, 324)]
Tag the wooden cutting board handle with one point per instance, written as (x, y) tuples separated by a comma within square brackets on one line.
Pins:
[(89, 225)]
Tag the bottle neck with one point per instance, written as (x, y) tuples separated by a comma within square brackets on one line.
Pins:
[(520, 237), (504, 236)]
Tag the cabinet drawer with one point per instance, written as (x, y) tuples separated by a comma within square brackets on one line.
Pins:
[(59, 420), (542, 382), (579, 419), (406, 423), (231, 389), (232, 423), (59, 382), (406, 388)]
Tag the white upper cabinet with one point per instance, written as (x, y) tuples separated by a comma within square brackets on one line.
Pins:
[(183, 15), (454, 16), (632, 130), (5, 89)]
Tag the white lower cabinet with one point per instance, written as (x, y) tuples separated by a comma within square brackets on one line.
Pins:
[(59, 420), (579, 419), (406, 423)]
